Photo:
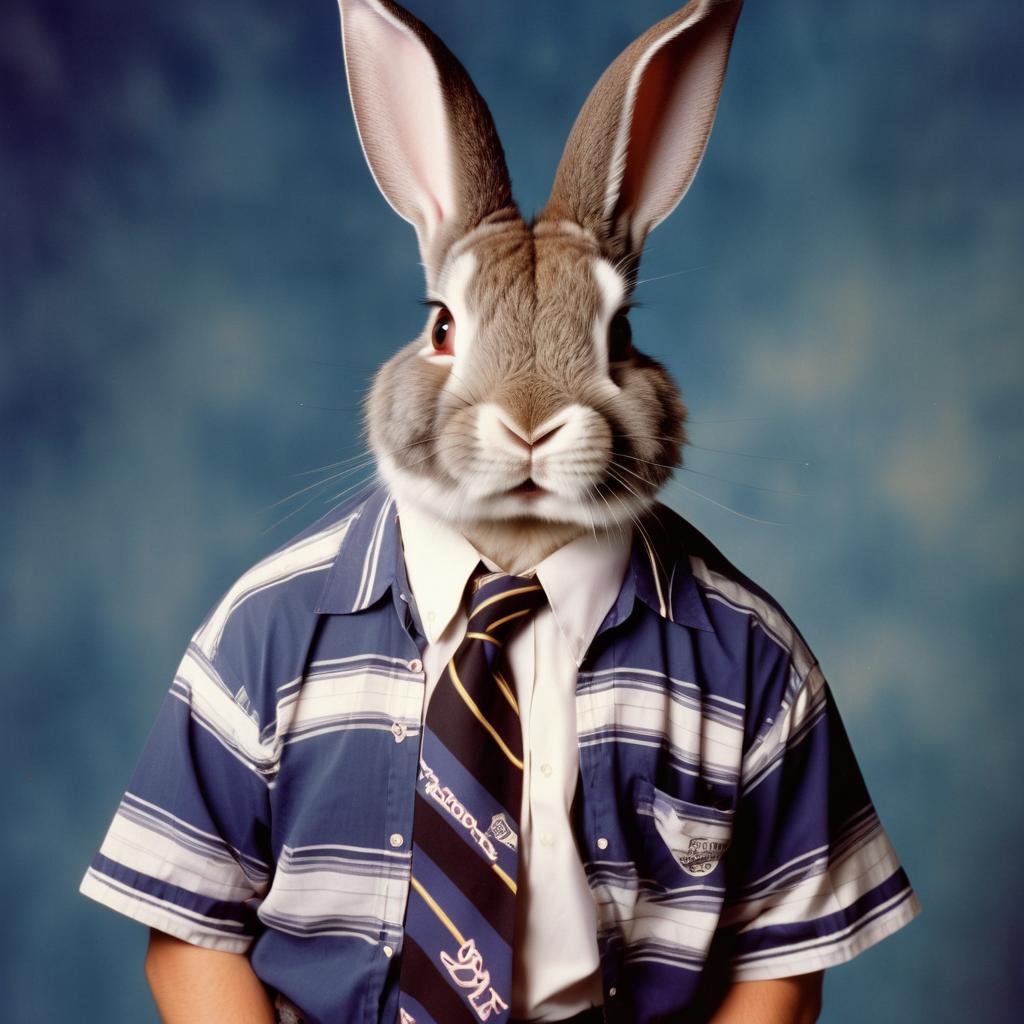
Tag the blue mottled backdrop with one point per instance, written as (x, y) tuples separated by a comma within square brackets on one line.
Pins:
[(198, 277)]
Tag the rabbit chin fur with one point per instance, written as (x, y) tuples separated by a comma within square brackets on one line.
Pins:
[(535, 423)]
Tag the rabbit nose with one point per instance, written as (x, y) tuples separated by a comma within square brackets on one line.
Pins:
[(548, 429), (529, 439), (513, 434)]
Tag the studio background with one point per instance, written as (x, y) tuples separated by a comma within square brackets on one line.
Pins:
[(199, 277)]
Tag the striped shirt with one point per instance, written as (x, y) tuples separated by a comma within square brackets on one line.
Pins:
[(724, 825)]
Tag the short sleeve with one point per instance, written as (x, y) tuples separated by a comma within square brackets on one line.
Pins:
[(187, 850), (812, 877)]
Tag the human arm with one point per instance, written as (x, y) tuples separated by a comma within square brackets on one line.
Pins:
[(193, 984), (794, 1000)]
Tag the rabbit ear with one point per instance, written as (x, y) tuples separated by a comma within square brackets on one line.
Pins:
[(425, 130), (641, 134)]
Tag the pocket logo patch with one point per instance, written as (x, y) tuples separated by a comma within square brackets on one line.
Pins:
[(700, 856)]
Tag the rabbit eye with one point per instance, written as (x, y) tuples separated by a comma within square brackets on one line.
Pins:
[(442, 334), (620, 339)]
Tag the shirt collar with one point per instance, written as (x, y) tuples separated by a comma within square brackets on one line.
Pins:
[(370, 561), (661, 571), (439, 561), (581, 579)]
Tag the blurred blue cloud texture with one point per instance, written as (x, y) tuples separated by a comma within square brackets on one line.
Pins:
[(199, 277)]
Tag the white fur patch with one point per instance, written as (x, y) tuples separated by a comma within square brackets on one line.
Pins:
[(612, 287), (451, 289)]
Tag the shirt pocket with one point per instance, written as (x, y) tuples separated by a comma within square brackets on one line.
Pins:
[(684, 840)]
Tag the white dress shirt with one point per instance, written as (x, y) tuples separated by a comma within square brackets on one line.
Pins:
[(556, 969)]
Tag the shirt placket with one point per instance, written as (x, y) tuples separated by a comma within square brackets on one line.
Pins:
[(403, 768), (596, 816)]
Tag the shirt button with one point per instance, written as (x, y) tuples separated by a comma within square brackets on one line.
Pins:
[(415, 665), (398, 731), (397, 839), (546, 839), (612, 991), (602, 843), (546, 768), (388, 952)]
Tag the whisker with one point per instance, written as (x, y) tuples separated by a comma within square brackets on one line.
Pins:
[(349, 489), (743, 483), (749, 455), (674, 273), (361, 460), (331, 465), (473, 399), (632, 491), (737, 419), (742, 515), (312, 497), (804, 463), (712, 476), (319, 483)]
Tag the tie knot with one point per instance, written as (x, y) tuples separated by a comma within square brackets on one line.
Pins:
[(499, 603)]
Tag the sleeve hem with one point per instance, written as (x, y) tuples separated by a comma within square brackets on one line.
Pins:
[(163, 920), (787, 961)]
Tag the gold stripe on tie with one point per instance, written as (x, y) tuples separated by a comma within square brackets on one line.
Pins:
[(505, 878), (487, 637), (501, 597), (435, 907), (509, 618), (507, 690), (471, 704)]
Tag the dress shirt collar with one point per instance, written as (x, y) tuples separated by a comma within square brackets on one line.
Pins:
[(581, 579), (361, 542)]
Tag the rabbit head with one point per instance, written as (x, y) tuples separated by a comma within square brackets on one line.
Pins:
[(523, 410)]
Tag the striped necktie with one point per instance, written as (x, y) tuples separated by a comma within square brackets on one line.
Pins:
[(456, 961)]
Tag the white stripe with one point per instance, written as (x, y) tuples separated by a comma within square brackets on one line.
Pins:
[(782, 868), (373, 556), (146, 847), (332, 888), (189, 829), (374, 850), (643, 921), (281, 925), (716, 745), (775, 623), (262, 770), (787, 730), (163, 915), (368, 656), (828, 892), (657, 580), (837, 948), (650, 958), (624, 670), (313, 554), (332, 698), (342, 725), (212, 701)]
